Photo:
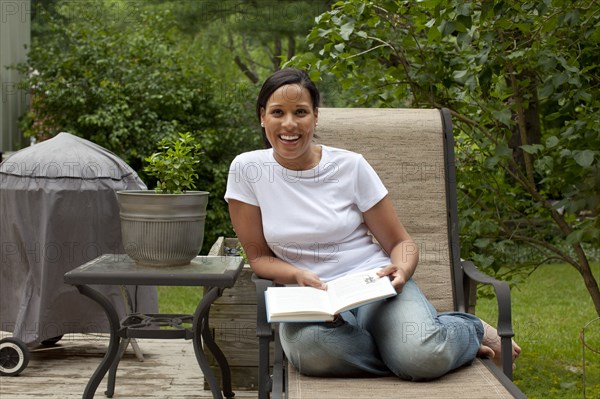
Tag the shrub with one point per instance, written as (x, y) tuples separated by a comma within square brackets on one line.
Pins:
[(126, 82)]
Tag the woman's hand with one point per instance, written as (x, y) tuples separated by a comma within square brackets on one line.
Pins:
[(389, 232), (398, 276), (309, 279)]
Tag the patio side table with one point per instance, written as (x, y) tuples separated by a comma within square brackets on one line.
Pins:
[(214, 273)]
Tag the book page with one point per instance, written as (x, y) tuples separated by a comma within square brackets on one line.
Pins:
[(359, 288), (283, 301)]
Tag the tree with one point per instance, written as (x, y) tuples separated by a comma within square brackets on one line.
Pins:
[(258, 34), (521, 79), (125, 81)]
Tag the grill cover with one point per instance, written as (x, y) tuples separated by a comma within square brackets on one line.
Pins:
[(59, 210)]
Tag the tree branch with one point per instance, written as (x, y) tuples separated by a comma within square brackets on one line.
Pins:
[(521, 124), (562, 255), (291, 47), (244, 68), (365, 52)]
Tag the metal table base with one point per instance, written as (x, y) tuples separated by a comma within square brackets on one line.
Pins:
[(140, 326)]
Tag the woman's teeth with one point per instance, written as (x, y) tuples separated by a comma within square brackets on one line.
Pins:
[(289, 138)]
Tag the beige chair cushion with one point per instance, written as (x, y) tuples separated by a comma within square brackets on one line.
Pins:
[(405, 146), (473, 382)]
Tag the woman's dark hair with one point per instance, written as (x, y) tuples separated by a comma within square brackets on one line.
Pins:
[(285, 76)]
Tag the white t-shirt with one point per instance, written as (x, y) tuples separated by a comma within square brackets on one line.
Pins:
[(313, 218)]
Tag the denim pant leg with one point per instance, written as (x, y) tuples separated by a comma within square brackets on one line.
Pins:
[(337, 349), (414, 341)]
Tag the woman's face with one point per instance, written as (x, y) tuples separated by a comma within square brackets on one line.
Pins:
[(289, 119)]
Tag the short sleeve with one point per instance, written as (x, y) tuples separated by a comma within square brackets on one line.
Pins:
[(369, 187), (239, 187)]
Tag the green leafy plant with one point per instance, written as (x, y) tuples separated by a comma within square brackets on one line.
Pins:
[(174, 166)]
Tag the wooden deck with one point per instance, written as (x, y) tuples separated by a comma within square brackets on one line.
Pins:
[(169, 371)]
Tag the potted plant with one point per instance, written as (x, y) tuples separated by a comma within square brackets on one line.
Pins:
[(165, 226)]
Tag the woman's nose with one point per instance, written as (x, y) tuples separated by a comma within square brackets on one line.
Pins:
[(288, 120)]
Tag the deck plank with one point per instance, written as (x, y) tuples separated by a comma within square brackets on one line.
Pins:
[(169, 371)]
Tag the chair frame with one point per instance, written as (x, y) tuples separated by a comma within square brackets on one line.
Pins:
[(463, 273)]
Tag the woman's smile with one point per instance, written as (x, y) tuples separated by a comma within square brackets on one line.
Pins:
[(289, 137)]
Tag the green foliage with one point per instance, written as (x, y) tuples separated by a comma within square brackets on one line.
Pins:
[(253, 36), (123, 84), (521, 81), (174, 166), (121, 75), (220, 147)]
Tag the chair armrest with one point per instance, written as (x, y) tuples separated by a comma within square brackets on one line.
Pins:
[(263, 328), (265, 333), (504, 327)]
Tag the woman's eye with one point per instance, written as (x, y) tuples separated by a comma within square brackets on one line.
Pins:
[(301, 112)]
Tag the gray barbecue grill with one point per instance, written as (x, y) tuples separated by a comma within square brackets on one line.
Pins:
[(58, 210)]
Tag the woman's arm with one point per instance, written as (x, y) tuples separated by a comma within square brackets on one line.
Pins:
[(383, 222), (247, 223)]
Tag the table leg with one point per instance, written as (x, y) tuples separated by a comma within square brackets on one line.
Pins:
[(113, 346), (202, 334), (112, 374), (129, 307)]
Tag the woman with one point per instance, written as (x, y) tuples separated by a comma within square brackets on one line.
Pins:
[(303, 213)]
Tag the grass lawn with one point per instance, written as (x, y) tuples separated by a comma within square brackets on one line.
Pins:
[(179, 299), (549, 311)]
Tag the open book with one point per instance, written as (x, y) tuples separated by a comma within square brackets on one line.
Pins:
[(290, 304)]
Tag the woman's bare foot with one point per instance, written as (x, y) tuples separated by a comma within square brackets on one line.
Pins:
[(490, 346)]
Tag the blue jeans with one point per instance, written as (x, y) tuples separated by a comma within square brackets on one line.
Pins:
[(402, 335)]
